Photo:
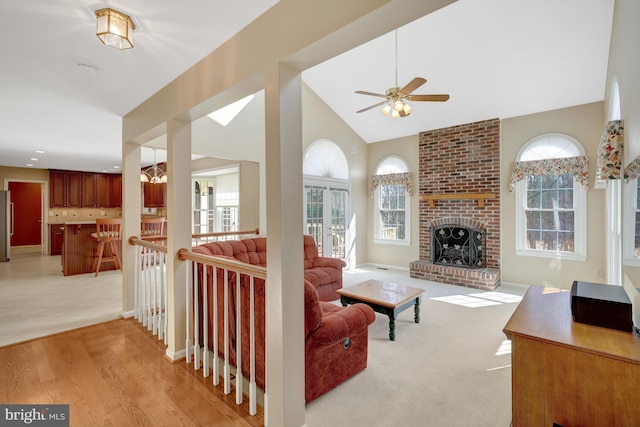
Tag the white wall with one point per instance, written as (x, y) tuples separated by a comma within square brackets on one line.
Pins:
[(584, 123), (387, 254)]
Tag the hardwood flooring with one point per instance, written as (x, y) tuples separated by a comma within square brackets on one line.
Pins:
[(115, 374)]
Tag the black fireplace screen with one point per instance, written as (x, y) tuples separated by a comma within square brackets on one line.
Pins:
[(458, 246)]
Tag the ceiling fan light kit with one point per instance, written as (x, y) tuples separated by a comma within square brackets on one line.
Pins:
[(396, 97)]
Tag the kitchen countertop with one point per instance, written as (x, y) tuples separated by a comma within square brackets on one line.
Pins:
[(73, 222), (79, 222)]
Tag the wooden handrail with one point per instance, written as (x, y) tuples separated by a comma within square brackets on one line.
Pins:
[(230, 264), (225, 233), (480, 197), (147, 241), (137, 241)]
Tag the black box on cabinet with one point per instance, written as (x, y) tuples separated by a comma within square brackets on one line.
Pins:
[(601, 305)]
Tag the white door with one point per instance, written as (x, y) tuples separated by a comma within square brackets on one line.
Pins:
[(326, 216)]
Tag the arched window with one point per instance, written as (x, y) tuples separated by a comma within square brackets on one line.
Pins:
[(391, 189), (550, 178), (326, 198)]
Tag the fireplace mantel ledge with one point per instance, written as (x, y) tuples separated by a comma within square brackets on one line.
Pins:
[(480, 197)]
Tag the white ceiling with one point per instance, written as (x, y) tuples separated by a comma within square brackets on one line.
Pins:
[(496, 58)]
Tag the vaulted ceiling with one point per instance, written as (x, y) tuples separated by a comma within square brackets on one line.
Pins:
[(63, 92)]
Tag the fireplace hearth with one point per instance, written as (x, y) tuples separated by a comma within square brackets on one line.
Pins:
[(457, 254), (456, 245)]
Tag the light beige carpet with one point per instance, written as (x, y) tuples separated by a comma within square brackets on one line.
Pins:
[(451, 369)]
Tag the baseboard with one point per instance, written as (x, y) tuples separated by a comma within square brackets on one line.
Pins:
[(27, 249), (127, 314), (382, 266), (180, 354), (517, 285)]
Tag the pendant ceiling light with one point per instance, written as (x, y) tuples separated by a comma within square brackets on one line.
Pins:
[(115, 28), (153, 174)]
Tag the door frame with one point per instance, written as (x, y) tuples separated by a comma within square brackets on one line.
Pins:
[(329, 183), (44, 200)]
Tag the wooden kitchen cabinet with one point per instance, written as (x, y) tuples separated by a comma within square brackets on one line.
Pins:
[(115, 191), (56, 239), (95, 190), (65, 189), (154, 194)]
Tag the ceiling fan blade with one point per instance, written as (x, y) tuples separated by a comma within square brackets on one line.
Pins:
[(372, 106), (413, 85), (361, 92), (433, 98)]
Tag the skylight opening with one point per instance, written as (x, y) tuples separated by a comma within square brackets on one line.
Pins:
[(224, 115)]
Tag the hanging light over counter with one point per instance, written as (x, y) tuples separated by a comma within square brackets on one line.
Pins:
[(153, 174)]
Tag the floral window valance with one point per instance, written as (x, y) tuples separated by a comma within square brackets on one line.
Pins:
[(609, 164), (578, 166), (403, 179), (631, 171)]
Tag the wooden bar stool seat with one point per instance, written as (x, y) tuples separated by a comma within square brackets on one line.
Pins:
[(152, 227), (108, 232)]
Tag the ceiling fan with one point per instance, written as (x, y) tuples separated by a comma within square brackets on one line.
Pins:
[(396, 98)]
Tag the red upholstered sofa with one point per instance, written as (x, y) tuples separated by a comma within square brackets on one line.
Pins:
[(336, 338), (324, 273)]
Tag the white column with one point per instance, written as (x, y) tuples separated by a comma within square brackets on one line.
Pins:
[(178, 204), (613, 231), (285, 290), (131, 209)]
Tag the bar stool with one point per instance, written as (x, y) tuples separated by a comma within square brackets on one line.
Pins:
[(108, 232), (152, 227)]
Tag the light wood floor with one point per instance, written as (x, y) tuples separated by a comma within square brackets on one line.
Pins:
[(111, 373), (115, 374)]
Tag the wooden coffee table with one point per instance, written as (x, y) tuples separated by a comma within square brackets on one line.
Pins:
[(384, 297)]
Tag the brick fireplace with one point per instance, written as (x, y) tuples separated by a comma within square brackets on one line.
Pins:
[(459, 185)]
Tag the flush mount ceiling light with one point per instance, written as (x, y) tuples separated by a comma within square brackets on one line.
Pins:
[(115, 28), (153, 174)]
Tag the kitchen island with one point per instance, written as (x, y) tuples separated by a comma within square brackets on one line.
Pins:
[(79, 249)]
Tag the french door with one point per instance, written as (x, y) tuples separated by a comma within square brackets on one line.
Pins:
[(326, 215)]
